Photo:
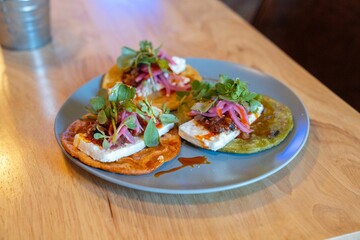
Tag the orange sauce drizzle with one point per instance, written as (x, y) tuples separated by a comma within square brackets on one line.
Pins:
[(185, 162)]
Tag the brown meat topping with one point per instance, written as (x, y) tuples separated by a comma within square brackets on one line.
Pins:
[(216, 124), (129, 78)]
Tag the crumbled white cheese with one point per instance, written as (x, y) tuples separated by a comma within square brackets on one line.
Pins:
[(179, 66), (146, 88)]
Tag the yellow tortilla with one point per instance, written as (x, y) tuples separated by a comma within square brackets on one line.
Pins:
[(143, 162), (159, 98)]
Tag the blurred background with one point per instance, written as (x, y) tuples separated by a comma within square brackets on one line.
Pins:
[(322, 36)]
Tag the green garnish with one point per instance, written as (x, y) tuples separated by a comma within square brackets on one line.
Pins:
[(97, 103), (101, 117), (206, 94), (236, 91), (107, 107), (147, 109), (203, 107), (101, 135), (202, 90), (121, 92), (130, 122), (167, 118), (151, 135), (147, 55)]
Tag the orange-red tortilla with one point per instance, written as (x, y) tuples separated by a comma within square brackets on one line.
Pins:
[(143, 162)]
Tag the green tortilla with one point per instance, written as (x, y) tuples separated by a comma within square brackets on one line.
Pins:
[(270, 129)]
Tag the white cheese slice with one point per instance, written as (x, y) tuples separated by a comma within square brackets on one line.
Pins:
[(198, 135), (111, 155), (253, 116), (147, 88), (179, 66)]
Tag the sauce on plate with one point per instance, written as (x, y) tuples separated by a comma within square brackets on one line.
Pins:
[(185, 162)]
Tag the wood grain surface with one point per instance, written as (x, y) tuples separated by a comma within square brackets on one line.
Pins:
[(44, 196)]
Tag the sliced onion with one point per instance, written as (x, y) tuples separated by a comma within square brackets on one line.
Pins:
[(242, 112), (156, 72), (144, 68), (128, 135), (237, 122), (140, 77), (236, 112), (165, 83), (138, 128), (122, 115), (221, 104), (209, 114), (226, 109)]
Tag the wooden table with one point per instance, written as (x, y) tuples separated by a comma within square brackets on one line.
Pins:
[(44, 196)]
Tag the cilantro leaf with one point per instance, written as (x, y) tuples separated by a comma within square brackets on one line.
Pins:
[(103, 93), (163, 64), (114, 92), (127, 58), (147, 109), (254, 105), (145, 46), (202, 90), (129, 105), (148, 60), (98, 128), (97, 103), (167, 118), (126, 93), (105, 144), (130, 122), (227, 89), (236, 91), (151, 134), (203, 107), (126, 51), (181, 94), (98, 136), (101, 117), (121, 92)]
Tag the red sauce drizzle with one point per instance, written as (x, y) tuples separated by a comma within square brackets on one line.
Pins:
[(185, 162)]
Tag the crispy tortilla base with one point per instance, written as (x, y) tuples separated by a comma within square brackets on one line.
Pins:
[(143, 162), (281, 123), (157, 99)]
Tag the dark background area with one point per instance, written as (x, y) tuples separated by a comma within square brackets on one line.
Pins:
[(322, 36)]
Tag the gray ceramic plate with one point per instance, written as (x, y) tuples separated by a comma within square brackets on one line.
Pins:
[(226, 171)]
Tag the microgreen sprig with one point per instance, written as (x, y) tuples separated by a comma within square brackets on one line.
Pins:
[(101, 135), (146, 55), (108, 107), (234, 90), (237, 91)]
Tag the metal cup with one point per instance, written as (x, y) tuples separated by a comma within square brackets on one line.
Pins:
[(24, 24)]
